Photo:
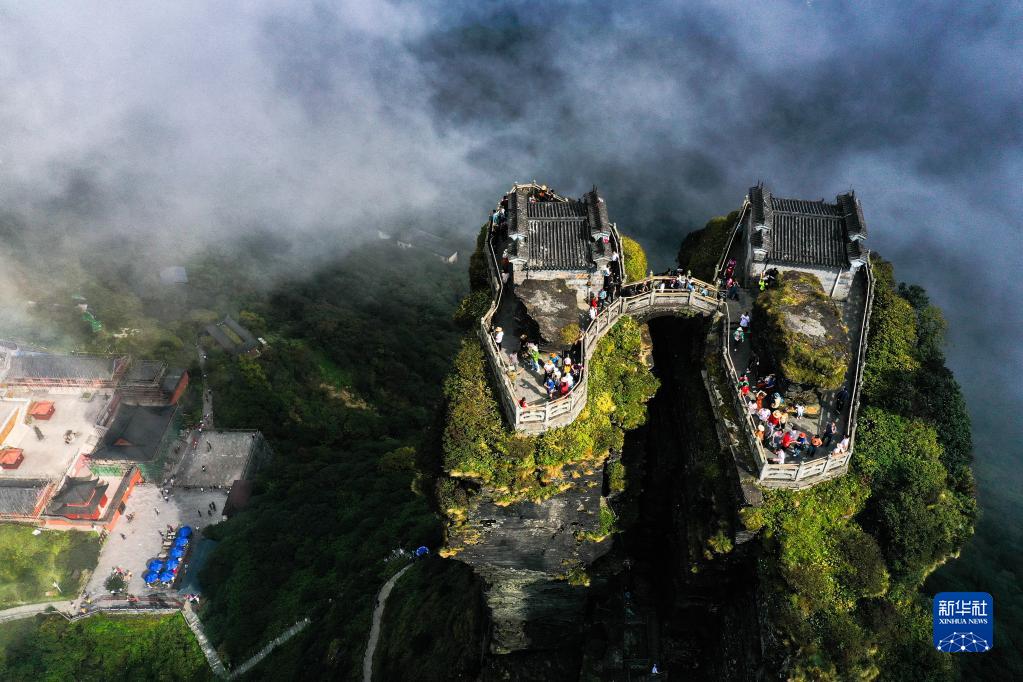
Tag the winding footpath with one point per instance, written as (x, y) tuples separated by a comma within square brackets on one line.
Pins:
[(374, 631)]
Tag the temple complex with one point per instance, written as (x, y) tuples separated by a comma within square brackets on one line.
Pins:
[(556, 254)]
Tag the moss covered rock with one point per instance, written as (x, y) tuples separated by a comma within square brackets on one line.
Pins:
[(804, 332)]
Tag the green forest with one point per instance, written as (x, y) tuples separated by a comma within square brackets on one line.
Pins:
[(100, 648), (348, 394)]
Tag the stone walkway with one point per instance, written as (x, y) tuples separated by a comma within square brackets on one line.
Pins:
[(212, 657), (374, 631), (265, 651)]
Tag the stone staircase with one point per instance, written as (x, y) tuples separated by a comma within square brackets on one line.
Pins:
[(200, 636)]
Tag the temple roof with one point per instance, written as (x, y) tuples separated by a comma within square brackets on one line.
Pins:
[(136, 433), (557, 233), (80, 496), (803, 232), (46, 366), (145, 371), (19, 497)]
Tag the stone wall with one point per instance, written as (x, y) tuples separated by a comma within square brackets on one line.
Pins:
[(585, 282), (827, 276)]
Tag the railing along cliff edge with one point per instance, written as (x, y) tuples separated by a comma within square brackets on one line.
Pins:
[(861, 359), (818, 469)]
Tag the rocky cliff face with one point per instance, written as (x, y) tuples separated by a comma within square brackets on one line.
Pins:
[(529, 554), (527, 512)]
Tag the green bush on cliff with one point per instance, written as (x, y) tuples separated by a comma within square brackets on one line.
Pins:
[(803, 331), (701, 250), (616, 476), (473, 432), (635, 259), (472, 307), (479, 271)]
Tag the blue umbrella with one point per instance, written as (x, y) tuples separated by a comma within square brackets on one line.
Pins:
[(181, 542), (422, 551), (177, 553), (173, 563), (154, 565), (166, 577), (185, 532), (150, 577)]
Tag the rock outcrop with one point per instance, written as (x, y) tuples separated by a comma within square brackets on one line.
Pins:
[(529, 554)]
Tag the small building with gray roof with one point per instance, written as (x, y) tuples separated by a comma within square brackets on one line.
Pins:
[(818, 237)]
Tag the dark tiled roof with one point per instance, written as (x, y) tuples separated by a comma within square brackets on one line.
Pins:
[(145, 371), (78, 496), (596, 211), (244, 334), (757, 205), (556, 209), (854, 251), (141, 428), (853, 213), (518, 208), (172, 379), (802, 206), (216, 331), (42, 366), (807, 240), (801, 232), (220, 337), (559, 234), (20, 496), (78, 491), (557, 245)]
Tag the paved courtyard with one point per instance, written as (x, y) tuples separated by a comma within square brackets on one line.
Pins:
[(219, 458), (142, 541), (50, 457)]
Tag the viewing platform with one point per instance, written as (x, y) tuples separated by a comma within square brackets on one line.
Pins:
[(558, 253)]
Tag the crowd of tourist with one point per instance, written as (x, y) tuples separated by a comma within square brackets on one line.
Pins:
[(556, 371), (768, 409)]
